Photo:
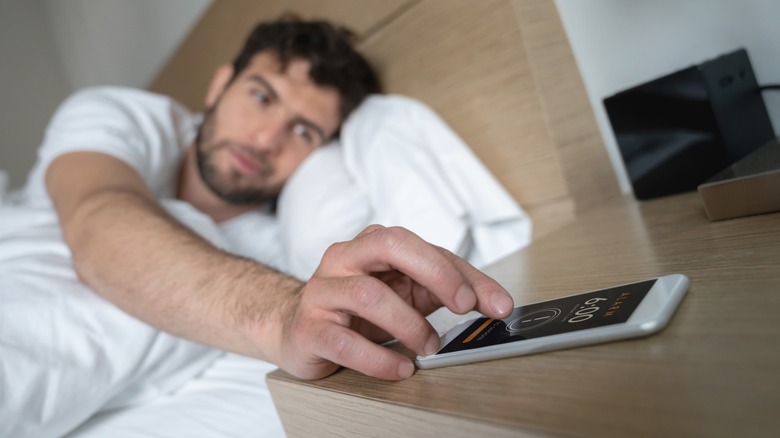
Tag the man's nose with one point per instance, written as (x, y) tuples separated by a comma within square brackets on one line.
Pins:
[(271, 132)]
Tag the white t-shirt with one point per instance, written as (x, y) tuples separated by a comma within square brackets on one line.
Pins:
[(149, 132)]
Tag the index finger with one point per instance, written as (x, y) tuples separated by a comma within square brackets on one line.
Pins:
[(449, 278), (492, 299)]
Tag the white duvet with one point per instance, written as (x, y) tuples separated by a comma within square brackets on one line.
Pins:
[(81, 356), (71, 364)]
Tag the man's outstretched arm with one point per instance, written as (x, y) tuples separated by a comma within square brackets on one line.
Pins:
[(375, 287), (127, 248)]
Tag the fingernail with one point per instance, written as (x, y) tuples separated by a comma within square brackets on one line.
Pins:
[(501, 304), (432, 345), (464, 298), (405, 369)]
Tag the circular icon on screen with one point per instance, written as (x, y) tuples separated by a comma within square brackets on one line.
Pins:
[(533, 320)]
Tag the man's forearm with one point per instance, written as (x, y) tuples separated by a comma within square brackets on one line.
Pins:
[(132, 252)]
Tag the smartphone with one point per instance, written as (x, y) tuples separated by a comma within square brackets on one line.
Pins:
[(620, 312)]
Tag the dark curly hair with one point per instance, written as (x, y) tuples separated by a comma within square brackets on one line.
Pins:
[(328, 48)]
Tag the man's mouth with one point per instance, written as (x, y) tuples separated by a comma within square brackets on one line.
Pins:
[(245, 163)]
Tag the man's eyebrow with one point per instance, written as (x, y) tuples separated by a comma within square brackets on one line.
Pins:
[(313, 126), (260, 80)]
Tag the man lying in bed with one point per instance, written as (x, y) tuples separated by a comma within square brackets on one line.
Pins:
[(110, 155)]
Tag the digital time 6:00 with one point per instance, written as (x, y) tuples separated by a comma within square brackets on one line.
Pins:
[(586, 313)]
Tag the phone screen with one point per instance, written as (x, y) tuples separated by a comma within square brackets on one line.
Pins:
[(577, 312)]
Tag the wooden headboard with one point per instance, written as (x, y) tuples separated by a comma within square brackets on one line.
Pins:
[(500, 72)]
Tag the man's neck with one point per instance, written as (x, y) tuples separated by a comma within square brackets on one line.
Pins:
[(194, 191)]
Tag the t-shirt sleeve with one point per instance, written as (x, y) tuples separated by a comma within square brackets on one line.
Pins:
[(96, 121), (125, 124)]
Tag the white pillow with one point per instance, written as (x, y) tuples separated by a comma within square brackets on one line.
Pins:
[(398, 164), (319, 205)]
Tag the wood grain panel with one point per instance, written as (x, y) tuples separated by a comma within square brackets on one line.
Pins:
[(590, 178), (218, 36), (369, 418), (549, 216), (466, 60)]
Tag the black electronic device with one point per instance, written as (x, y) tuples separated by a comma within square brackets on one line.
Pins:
[(678, 130)]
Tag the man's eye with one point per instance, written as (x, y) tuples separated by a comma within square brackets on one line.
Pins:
[(261, 97), (303, 132)]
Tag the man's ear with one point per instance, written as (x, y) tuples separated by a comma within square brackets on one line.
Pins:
[(218, 83)]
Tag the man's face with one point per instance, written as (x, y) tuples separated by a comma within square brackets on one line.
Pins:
[(262, 127)]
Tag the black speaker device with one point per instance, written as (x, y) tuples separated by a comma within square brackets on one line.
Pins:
[(677, 131)]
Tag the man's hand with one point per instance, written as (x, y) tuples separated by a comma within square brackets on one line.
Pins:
[(373, 288)]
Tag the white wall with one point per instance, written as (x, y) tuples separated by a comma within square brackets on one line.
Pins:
[(50, 48), (32, 82), (622, 43), (119, 42)]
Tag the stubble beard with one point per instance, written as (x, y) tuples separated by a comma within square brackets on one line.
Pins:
[(230, 187)]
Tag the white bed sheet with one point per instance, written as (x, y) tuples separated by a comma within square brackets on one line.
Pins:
[(65, 352), (229, 399)]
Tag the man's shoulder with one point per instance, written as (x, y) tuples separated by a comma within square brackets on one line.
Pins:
[(123, 109), (118, 96)]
